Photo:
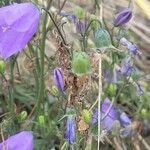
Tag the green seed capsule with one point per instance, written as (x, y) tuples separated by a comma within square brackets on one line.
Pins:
[(95, 25), (102, 39), (23, 115), (87, 116), (55, 91), (41, 120), (144, 113), (81, 63), (111, 90), (2, 67), (80, 13)]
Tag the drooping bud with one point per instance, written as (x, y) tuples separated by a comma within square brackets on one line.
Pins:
[(87, 116), (2, 67), (80, 27), (102, 39), (59, 80), (71, 129), (81, 63), (123, 17)]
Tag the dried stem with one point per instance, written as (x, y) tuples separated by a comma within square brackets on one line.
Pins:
[(99, 99)]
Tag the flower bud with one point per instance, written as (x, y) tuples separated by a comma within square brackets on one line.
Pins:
[(81, 63), (23, 115), (94, 23), (71, 129), (41, 120), (80, 13), (59, 80), (102, 39), (55, 91), (80, 27), (111, 90), (123, 17), (144, 113), (87, 116), (2, 67)]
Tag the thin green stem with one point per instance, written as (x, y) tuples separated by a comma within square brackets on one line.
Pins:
[(55, 25)]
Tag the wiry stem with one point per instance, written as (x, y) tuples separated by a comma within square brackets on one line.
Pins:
[(99, 100), (100, 83)]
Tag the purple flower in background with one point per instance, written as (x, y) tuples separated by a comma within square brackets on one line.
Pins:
[(71, 17), (126, 67), (20, 141), (123, 17), (124, 119), (59, 80), (71, 129), (133, 48), (80, 27), (112, 116), (112, 76), (18, 24)]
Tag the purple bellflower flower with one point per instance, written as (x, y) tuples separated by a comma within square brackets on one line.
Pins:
[(18, 24), (59, 80), (124, 119), (71, 129), (123, 17), (80, 27), (126, 67), (20, 141), (109, 120), (71, 17), (133, 48)]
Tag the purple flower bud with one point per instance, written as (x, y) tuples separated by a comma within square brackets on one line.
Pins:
[(18, 24), (124, 119), (126, 67), (112, 116), (59, 80), (71, 129), (123, 17), (20, 141), (80, 27)]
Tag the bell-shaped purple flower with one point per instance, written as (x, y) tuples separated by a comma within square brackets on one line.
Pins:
[(133, 48), (126, 67), (80, 27), (124, 119), (123, 17), (18, 24), (21, 141), (71, 129), (109, 120), (59, 80)]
